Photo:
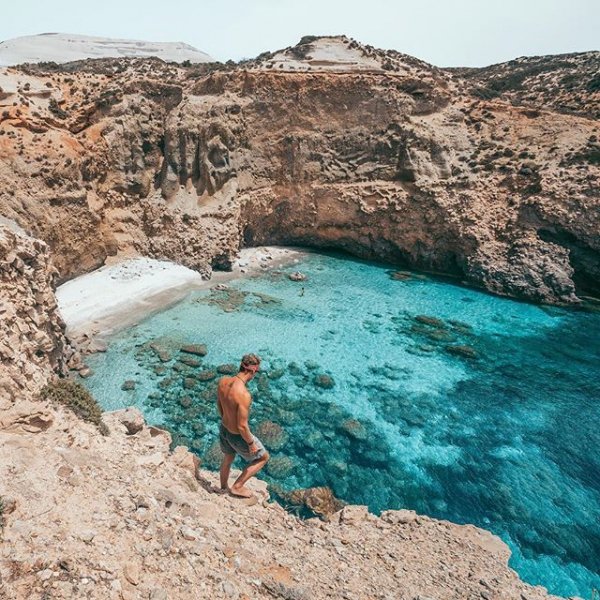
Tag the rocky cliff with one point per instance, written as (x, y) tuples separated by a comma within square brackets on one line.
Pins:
[(32, 342), (330, 144)]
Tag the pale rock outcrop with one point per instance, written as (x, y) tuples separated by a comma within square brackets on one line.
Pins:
[(65, 47), (131, 419)]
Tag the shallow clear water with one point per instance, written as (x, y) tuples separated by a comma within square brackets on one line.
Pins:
[(509, 440)]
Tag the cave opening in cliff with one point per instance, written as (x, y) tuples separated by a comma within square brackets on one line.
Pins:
[(584, 260)]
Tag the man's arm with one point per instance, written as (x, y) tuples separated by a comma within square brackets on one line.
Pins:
[(219, 407), (243, 412)]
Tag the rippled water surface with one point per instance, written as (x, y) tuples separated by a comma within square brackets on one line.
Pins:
[(361, 393)]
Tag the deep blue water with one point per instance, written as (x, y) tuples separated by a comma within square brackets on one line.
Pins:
[(508, 440)]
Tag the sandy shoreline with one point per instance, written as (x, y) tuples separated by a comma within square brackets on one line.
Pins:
[(119, 295)]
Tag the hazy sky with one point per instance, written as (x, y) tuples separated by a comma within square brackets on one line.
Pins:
[(443, 32)]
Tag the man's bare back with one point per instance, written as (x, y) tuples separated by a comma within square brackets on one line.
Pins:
[(231, 396)]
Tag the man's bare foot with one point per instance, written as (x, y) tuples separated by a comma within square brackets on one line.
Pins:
[(240, 491)]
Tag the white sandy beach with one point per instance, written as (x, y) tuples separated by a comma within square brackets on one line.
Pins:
[(119, 295)]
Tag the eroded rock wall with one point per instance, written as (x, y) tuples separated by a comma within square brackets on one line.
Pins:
[(372, 152), (32, 341)]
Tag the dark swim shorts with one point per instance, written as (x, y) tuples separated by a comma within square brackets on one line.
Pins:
[(234, 443)]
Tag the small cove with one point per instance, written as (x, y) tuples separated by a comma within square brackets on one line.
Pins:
[(396, 393)]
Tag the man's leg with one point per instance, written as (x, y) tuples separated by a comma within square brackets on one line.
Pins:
[(238, 489), (225, 468)]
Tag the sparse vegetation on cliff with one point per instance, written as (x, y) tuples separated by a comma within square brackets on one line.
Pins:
[(567, 82), (56, 110), (74, 396)]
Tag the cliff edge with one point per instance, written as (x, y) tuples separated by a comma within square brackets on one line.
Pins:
[(122, 517)]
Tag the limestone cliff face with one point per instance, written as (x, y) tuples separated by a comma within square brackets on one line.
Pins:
[(328, 144), (32, 342)]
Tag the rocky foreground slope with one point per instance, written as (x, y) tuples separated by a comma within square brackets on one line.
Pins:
[(120, 517), (330, 144)]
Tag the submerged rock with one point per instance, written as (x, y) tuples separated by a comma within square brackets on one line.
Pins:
[(439, 335), (206, 375), (275, 374), (295, 369), (197, 444), (401, 275), (185, 402), (190, 361), (272, 434), (354, 429), (163, 354), (212, 457), (265, 298), (165, 383), (431, 321), (388, 371), (462, 350), (228, 299), (459, 325), (198, 427), (189, 383), (227, 369), (127, 385), (196, 349), (324, 381), (280, 466)]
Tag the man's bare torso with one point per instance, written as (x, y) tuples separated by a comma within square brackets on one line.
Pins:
[(231, 393)]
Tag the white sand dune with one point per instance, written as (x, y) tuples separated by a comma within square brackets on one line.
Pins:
[(63, 47)]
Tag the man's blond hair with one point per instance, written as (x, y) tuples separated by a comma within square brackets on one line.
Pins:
[(250, 362)]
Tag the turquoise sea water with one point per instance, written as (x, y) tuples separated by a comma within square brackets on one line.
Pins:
[(508, 440)]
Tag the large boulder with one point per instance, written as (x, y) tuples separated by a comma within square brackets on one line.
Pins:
[(131, 418), (319, 500)]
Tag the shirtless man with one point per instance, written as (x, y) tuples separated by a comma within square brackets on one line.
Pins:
[(233, 402)]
